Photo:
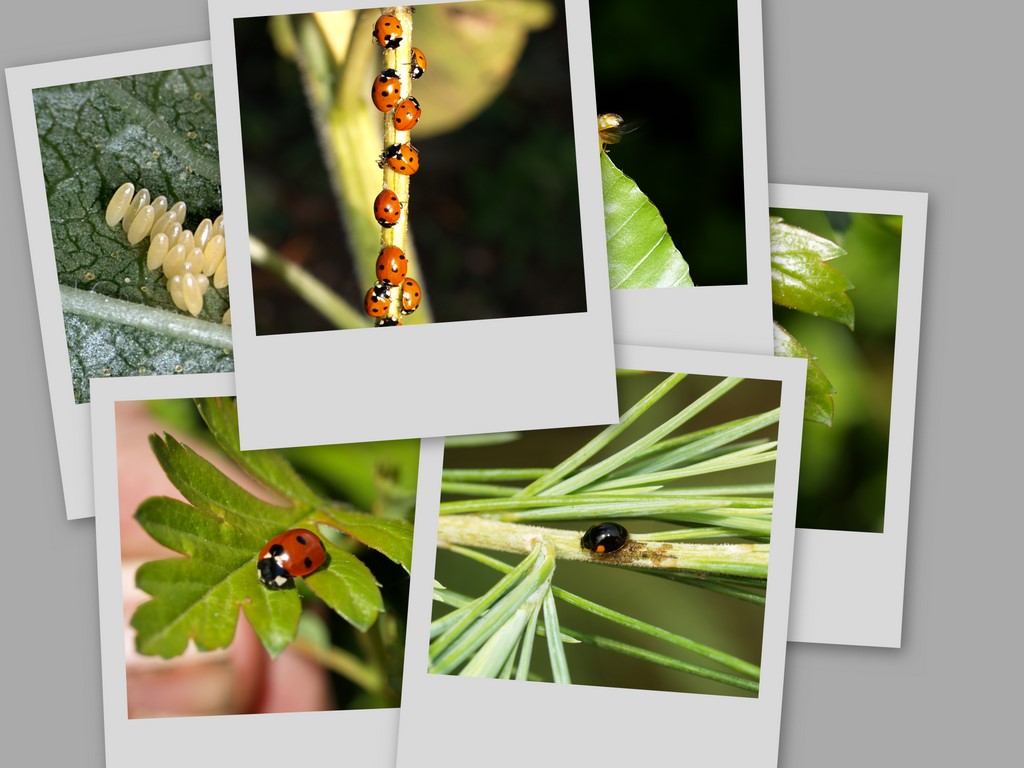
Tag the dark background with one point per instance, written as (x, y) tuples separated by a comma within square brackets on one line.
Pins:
[(883, 96), (674, 74), (493, 209)]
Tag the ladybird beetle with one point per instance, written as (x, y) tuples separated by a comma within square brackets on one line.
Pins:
[(385, 92), (388, 31), (387, 208), (410, 296), (392, 265), (604, 538), (407, 114), (384, 321), (297, 552), (402, 158), (378, 300), (418, 65)]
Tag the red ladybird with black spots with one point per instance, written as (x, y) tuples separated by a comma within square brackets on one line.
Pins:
[(387, 208), (387, 32), (418, 64), (407, 114), (392, 265), (385, 91), (378, 300), (410, 296), (298, 552), (401, 158)]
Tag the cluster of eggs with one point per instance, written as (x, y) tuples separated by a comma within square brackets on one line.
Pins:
[(392, 285), (191, 261)]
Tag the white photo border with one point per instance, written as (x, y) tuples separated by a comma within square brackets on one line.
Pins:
[(363, 737), (468, 377), (568, 722), (734, 318), (70, 419), (847, 585)]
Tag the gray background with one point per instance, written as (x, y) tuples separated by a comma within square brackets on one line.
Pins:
[(878, 94)]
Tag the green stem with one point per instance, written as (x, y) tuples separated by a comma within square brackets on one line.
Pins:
[(316, 294), (728, 559), (344, 664), (106, 309)]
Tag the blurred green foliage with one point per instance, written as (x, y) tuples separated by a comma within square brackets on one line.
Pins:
[(843, 469)]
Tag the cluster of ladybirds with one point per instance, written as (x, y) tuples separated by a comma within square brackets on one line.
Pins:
[(190, 261), (392, 284), (300, 552)]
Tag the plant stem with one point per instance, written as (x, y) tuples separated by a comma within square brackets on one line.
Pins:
[(734, 559), (317, 294), (344, 664), (107, 309)]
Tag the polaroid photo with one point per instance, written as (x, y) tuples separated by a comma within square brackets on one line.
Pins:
[(245, 596), (685, 174), (437, 171), (689, 505), (848, 273), (112, 150)]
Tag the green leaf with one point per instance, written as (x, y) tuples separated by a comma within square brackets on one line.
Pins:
[(392, 538), (801, 278), (159, 131), (818, 403), (640, 252), (221, 533), (379, 477), (348, 586), (269, 467)]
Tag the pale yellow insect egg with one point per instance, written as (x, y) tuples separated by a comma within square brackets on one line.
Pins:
[(174, 260), (163, 221), (141, 224), (179, 208), (173, 232), (203, 232), (158, 248), (187, 239), (227, 317), (141, 199), (192, 295), (174, 286), (213, 254), (118, 205), (220, 277), (160, 206)]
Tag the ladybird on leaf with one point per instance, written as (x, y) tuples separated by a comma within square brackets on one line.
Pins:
[(294, 553)]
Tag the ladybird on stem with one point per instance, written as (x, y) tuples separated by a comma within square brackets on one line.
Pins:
[(604, 538)]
